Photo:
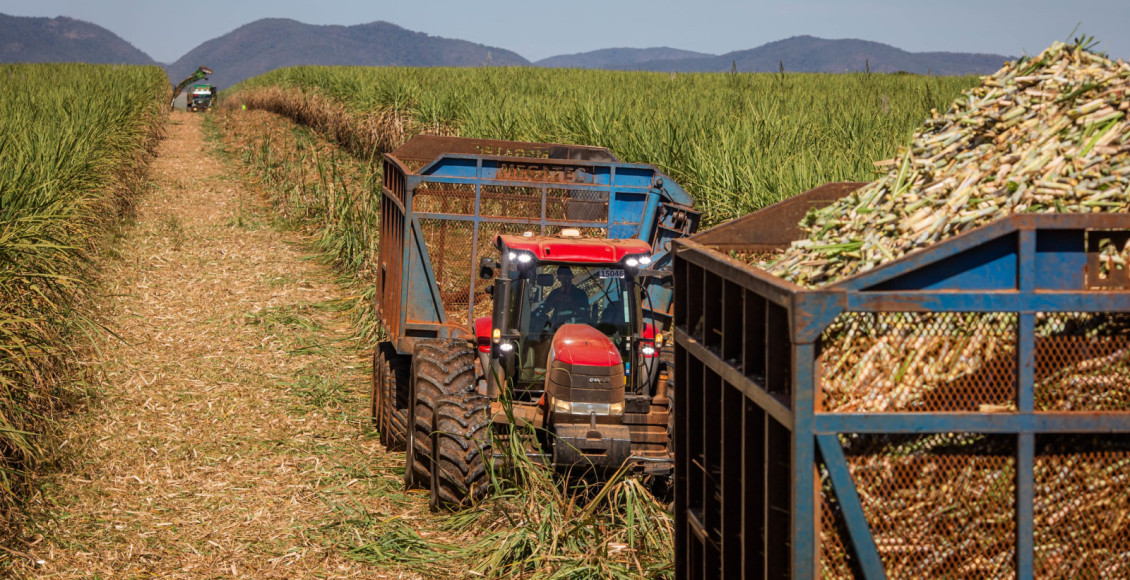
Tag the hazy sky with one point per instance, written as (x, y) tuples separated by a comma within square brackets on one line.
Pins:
[(536, 29)]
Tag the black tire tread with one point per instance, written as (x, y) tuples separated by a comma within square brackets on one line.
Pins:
[(462, 450), (394, 399), (376, 380), (442, 367)]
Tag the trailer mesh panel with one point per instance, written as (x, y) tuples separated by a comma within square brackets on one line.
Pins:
[(1082, 362), (939, 505), (1082, 506), (919, 362)]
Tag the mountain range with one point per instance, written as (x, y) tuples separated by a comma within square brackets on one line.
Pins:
[(271, 43), (63, 39)]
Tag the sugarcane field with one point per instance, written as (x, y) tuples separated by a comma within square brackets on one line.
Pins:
[(353, 301)]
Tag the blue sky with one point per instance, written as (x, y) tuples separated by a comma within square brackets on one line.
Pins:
[(536, 29)]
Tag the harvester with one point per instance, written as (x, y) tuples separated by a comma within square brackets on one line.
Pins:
[(201, 73), (200, 98), (522, 285)]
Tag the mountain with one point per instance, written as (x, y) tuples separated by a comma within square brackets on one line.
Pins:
[(811, 54), (264, 45), (62, 39), (267, 44), (618, 57)]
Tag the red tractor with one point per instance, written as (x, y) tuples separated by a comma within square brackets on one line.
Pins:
[(562, 331)]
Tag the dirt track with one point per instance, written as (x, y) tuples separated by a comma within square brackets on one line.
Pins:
[(229, 430)]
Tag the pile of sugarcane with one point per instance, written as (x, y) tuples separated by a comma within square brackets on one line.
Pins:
[(1046, 134), (942, 505), (904, 361), (924, 361), (1083, 362)]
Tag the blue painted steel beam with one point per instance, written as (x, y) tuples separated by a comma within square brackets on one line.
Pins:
[(936, 422), (805, 484), (1006, 301), (918, 260), (866, 554), (975, 238), (1025, 505), (626, 175), (597, 188), (511, 220)]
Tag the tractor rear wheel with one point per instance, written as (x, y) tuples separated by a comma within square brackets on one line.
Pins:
[(462, 450), (439, 367), (391, 376)]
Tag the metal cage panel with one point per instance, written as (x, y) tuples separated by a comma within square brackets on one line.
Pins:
[(445, 199), (959, 412)]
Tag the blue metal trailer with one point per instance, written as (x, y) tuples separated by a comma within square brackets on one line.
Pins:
[(963, 411)]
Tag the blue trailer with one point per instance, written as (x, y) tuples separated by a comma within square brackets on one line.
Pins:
[(447, 205), (963, 411)]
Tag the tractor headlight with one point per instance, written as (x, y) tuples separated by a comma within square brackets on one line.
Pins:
[(640, 261), (506, 347), (522, 259), (570, 408), (647, 350)]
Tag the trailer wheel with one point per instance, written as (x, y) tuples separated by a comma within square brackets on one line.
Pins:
[(376, 381), (462, 448), (391, 398), (439, 367)]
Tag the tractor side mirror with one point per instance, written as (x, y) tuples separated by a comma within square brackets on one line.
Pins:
[(486, 268), (545, 280)]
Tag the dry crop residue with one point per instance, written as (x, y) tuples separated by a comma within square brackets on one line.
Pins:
[(229, 434)]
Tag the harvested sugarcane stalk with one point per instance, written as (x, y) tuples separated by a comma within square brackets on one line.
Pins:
[(1047, 134)]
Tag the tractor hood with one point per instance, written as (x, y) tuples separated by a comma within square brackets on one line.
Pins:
[(581, 344)]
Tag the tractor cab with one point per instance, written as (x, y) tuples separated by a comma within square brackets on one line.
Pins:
[(566, 292)]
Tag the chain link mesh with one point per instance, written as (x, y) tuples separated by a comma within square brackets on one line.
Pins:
[(836, 560), (576, 205), (919, 362), (1082, 506), (511, 202), (449, 246), (1083, 362), (456, 198), (939, 505)]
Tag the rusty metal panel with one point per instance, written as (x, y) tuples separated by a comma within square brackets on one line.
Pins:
[(424, 149), (776, 226)]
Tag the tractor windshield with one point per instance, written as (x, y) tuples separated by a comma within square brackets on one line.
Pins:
[(551, 295)]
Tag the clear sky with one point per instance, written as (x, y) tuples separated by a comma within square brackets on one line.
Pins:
[(535, 29)]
